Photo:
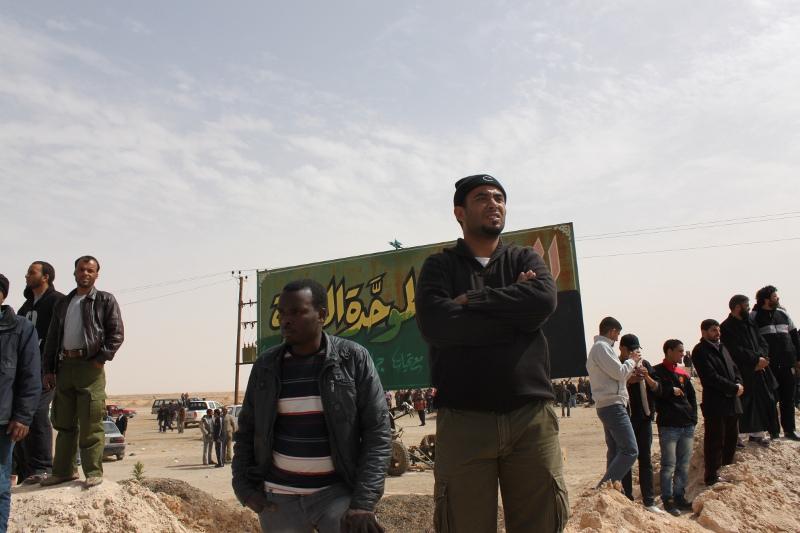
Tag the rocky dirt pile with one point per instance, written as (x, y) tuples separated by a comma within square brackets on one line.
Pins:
[(107, 507), (761, 494)]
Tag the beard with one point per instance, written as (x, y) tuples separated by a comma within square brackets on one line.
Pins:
[(493, 231)]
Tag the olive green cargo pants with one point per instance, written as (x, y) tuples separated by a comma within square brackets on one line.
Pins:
[(78, 408), (476, 450)]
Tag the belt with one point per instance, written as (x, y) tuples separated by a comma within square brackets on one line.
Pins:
[(74, 354)]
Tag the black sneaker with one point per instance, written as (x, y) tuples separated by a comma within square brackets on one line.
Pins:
[(671, 507), (792, 435), (682, 503)]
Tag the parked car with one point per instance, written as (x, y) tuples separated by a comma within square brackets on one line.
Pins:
[(160, 402), (197, 410), (115, 441), (115, 410)]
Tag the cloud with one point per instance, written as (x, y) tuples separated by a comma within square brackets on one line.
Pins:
[(59, 25)]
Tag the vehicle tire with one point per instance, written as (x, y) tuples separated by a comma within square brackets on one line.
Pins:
[(400, 460), (120, 456), (428, 445)]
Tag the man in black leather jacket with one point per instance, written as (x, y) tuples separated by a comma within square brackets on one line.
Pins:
[(313, 443), (85, 332)]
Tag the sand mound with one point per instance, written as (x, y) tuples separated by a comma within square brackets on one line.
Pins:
[(762, 494), (108, 507)]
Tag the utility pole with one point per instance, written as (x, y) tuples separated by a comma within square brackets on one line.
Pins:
[(238, 338)]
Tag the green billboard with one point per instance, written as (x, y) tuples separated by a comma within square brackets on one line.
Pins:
[(371, 301)]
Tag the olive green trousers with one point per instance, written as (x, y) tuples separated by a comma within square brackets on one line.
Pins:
[(478, 450), (78, 408)]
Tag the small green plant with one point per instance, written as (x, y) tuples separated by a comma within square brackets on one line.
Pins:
[(138, 471)]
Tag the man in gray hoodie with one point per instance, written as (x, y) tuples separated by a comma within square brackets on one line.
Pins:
[(609, 379)]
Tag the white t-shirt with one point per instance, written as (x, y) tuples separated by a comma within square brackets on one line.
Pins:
[(483, 260)]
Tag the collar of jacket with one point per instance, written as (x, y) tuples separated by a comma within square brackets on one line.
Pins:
[(603, 338), (30, 297), (90, 295), (332, 356), (462, 248), (9, 320)]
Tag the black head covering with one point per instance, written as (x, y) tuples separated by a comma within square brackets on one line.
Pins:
[(464, 185)]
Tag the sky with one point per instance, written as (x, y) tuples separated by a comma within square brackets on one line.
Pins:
[(179, 142)]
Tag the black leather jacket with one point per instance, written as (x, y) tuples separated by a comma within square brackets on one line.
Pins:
[(102, 328), (355, 413)]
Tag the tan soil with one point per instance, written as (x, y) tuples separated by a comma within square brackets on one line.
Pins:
[(181, 494)]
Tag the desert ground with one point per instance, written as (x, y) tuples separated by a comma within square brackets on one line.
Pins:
[(180, 494)]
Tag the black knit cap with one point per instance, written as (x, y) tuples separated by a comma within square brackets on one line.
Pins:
[(4, 285), (464, 185)]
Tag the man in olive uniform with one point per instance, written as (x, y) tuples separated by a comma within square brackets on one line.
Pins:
[(85, 332)]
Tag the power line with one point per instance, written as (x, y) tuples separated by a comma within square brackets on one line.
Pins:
[(181, 280), (710, 246), (692, 226), (178, 292)]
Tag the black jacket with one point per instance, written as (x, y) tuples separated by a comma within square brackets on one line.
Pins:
[(355, 413), (635, 397), (720, 378), (674, 411), (20, 371), (489, 354), (778, 330), (41, 312), (746, 345), (102, 327)]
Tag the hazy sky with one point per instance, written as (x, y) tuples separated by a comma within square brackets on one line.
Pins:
[(187, 139)]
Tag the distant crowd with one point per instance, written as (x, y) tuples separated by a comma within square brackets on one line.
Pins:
[(406, 400)]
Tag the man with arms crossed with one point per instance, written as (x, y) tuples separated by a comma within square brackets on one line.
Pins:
[(313, 443), (609, 385), (480, 307), (86, 331)]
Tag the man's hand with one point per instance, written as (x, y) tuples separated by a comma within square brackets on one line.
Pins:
[(741, 389), (762, 363), (461, 299), (258, 502), (17, 431), (96, 363), (677, 391), (526, 276), (49, 382), (360, 521)]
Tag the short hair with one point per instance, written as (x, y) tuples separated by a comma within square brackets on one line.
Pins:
[(609, 323), (85, 258), (47, 270), (764, 294), (319, 297), (671, 344), (708, 323), (737, 299)]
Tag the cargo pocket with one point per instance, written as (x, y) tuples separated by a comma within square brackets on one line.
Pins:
[(560, 502), (441, 513), (97, 409)]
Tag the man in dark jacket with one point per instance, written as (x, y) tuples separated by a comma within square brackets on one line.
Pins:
[(85, 333), (750, 352), (34, 455), (676, 405), (20, 388), (781, 335), (480, 306), (326, 391), (722, 388), (641, 392)]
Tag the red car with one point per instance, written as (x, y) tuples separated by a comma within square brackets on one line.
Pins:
[(115, 410)]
